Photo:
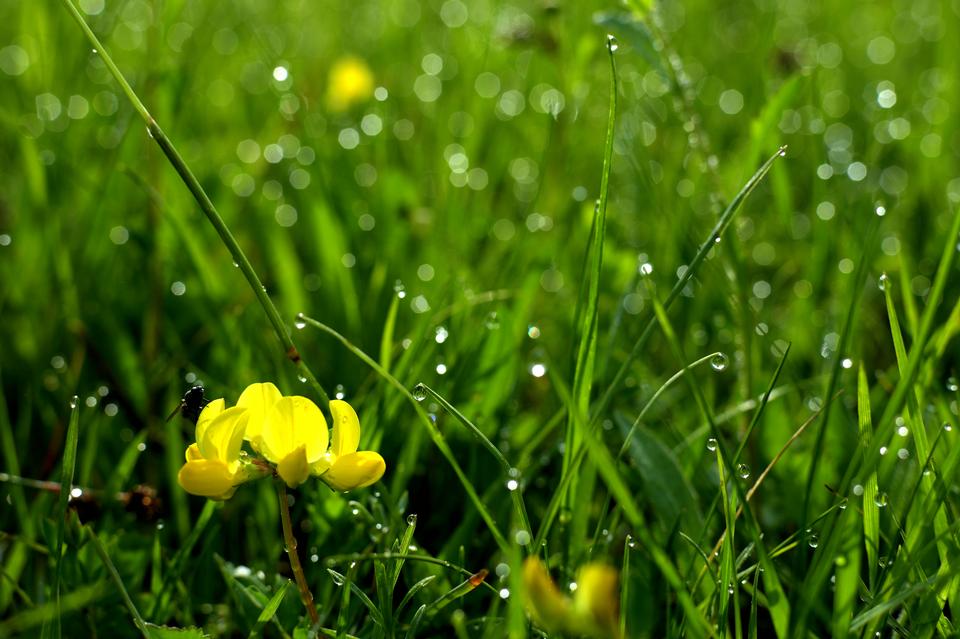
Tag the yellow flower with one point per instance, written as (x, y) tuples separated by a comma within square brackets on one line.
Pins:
[(213, 467), (594, 609), (343, 468), (292, 433), (351, 81)]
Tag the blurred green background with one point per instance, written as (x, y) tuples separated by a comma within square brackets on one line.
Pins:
[(461, 189)]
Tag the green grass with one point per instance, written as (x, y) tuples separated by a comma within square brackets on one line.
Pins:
[(519, 303)]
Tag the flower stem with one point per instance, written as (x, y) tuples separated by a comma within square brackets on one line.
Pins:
[(190, 180), (290, 545)]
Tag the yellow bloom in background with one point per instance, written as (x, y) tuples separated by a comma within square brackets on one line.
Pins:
[(213, 467), (594, 609), (351, 81), (343, 468)]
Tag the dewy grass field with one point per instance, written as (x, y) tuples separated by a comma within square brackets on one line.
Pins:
[(648, 314)]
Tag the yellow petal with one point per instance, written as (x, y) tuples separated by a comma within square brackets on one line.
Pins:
[(596, 607), (294, 468), (206, 478), (547, 604), (294, 422), (346, 428), (259, 400), (208, 414), (223, 436), (355, 470), (193, 453)]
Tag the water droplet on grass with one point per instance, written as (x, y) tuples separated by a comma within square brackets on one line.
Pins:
[(419, 392), (719, 362), (712, 444), (73, 402), (412, 519), (299, 322), (612, 43), (880, 501), (952, 384), (743, 471), (882, 282)]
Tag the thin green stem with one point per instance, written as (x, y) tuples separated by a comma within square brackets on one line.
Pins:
[(206, 205), (290, 545), (112, 570)]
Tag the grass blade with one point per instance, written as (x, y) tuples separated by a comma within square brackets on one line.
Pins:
[(66, 486)]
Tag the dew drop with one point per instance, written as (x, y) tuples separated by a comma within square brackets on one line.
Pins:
[(337, 578), (412, 519), (73, 402), (813, 540), (492, 322), (712, 444), (952, 384), (299, 322), (882, 282), (880, 501), (947, 427), (719, 362), (76, 493), (419, 392), (302, 378), (743, 471), (512, 484), (400, 289), (612, 43), (782, 151)]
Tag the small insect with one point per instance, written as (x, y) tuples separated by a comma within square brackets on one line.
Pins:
[(190, 406)]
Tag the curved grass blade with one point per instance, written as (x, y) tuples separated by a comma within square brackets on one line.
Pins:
[(712, 239), (435, 434), (206, 205)]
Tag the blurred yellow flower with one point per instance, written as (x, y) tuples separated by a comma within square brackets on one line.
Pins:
[(213, 467), (351, 81), (593, 611)]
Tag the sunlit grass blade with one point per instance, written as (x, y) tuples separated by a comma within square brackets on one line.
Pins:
[(340, 579), (608, 469), (846, 595), (508, 469), (837, 367), (871, 514), (117, 581), (435, 434), (692, 269), (586, 320), (414, 590), (859, 470), (206, 205), (269, 610), (66, 488)]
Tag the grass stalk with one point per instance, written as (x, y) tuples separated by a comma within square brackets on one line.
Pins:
[(209, 210)]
